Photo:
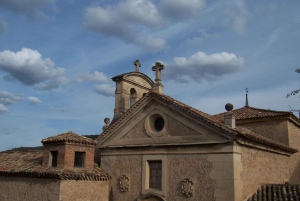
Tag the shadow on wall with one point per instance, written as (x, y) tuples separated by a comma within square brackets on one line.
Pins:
[(295, 176), (111, 195)]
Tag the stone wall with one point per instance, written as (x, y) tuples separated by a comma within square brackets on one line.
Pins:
[(262, 167), (276, 129), (210, 168), (35, 189), (129, 165), (20, 189), (72, 190)]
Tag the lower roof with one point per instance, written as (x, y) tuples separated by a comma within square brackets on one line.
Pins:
[(28, 163)]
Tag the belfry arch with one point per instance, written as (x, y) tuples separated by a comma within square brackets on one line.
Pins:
[(133, 97), (130, 87)]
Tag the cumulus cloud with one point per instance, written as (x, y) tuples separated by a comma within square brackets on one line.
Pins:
[(28, 67), (201, 66), (30, 8), (3, 25), (180, 9), (33, 100), (7, 98), (3, 109), (87, 76), (125, 20), (104, 89)]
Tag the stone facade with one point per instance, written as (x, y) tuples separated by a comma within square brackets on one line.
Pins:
[(262, 167), (33, 189)]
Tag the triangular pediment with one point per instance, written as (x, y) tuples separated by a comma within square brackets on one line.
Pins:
[(154, 122)]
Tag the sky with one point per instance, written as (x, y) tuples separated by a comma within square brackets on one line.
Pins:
[(57, 58)]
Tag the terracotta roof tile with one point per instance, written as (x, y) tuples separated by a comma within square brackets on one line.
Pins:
[(276, 192), (254, 113), (28, 163), (69, 137)]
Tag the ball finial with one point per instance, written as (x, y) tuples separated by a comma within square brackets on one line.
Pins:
[(106, 120), (229, 107)]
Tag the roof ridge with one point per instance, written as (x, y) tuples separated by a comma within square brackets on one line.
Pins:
[(69, 137)]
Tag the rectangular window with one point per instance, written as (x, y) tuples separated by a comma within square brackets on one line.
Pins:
[(79, 159), (53, 155), (155, 176)]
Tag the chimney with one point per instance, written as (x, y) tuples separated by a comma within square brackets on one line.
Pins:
[(229, 118)]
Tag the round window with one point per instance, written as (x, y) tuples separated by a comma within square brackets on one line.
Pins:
[(156, 123), (159, 124)]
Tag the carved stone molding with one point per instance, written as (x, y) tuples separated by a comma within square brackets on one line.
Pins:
[(187, 187), (124, 183)]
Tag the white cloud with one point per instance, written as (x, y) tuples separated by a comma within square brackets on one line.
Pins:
[(7, 98), (3, 25), (104, 89), (201, 66), (180, 9), (3, 109), (28, 67), (125, 20), (33, 100), (87, 76), (31, 8)]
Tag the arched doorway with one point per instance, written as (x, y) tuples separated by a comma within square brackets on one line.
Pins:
[(151, 197)]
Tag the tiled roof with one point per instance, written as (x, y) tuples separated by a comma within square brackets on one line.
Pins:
[(28, 163), (93, 137), (238, 133), (254, 113), (69, 137), (276, 192)]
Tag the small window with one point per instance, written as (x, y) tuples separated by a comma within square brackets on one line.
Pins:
[(159, 124), (79, 159), (155, 175), (53, 155)]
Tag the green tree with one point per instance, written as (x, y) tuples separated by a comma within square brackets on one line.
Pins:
[(294, 92)]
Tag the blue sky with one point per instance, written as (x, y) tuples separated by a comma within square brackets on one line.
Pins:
[(57, 58)]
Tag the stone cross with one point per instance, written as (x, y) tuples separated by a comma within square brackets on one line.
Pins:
[(157, 68), (137, 65)]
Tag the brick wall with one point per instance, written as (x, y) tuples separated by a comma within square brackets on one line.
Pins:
[(20, 189), (66, 154)]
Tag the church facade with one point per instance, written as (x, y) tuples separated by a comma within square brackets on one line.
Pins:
[(159, 149)]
